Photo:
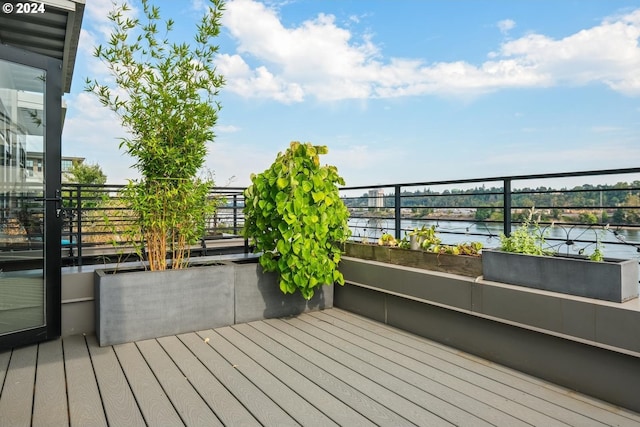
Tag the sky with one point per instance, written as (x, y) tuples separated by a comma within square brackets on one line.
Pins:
[(399, 91)]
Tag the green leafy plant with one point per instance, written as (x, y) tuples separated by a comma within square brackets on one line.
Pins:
[(528, 238), (165, 99), (427, 236), (295, 217), (598, 252), (404, 243), (469, 249), (387, 240)]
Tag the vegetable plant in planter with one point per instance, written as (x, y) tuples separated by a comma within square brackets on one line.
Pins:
[(387, 240), (165, 98), (427, 252), (523, 260), (295, 217)]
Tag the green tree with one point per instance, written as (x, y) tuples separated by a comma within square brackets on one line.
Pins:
[(84, 173), (483, 213), (619, 216), (588, 218), (166, 100)]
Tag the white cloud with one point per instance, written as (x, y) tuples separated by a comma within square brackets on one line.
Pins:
[(320, 59), (607, 53), (227, 129), (95, 134), (98, 14), (258, 83), (506, 25), (355, 163), (236, 162)]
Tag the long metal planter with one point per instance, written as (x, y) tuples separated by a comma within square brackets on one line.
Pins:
[(137, 305), (610, 280), (133, 305), (257, 295)]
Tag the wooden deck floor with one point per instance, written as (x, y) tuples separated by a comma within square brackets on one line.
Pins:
[(320, 369)]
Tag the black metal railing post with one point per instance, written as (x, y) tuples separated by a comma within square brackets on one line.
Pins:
[(397, 210), (507, 207), (235, 214), (79, 226), (68, 217)]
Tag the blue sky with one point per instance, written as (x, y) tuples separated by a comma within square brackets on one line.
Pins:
[(401, 91)]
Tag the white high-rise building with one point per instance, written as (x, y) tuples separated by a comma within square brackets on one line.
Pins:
[(376, 198)]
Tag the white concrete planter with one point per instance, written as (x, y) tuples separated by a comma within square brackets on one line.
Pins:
[(611, 280)]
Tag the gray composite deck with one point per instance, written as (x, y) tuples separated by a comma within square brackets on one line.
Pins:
[(320, 369)]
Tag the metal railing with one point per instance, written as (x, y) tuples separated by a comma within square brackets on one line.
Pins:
[(96, 221), (577, 211)]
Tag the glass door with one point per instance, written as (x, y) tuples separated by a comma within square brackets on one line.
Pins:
[(29, 270)]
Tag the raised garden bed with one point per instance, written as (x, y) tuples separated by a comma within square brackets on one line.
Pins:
[(464, 265)]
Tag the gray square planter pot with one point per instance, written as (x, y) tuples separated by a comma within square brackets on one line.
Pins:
[(611, 280), (135, 305), (258, 295)]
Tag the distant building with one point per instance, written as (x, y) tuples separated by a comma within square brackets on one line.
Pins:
[(376, 198), (33, 167)]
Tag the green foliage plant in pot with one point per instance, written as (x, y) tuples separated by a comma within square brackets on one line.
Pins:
[(164, 97), (527, 239), (296, 219)]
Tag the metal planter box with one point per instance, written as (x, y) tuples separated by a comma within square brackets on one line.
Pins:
[(135, 305), (258, 295), (611, 280), (132, 304)]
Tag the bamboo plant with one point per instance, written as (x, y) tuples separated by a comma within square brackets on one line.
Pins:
[(164, 95)]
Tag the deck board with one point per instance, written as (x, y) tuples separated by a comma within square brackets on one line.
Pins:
[(119, 403), (347, 393), (154, 404), (192, 409), (50, 395), (380, 401), (407, 400), (441, 398), (85, 403), (335, 409), (553, 400), (227, 408), (323, 368), (5, 357), (17, 393), (251, 397), (444, 379), (298, 408)]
